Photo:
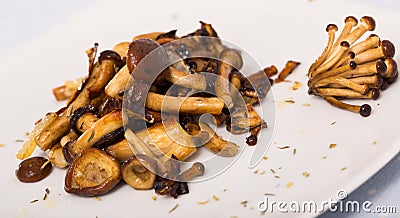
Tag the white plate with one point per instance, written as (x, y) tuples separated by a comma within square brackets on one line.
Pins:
[(273, 32)]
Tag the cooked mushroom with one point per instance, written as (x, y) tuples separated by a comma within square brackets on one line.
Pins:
[(360, 88), (104, 126), (71, 136), (121, 48), (120, 150), (391, 68), (364, 110), (197, 169), (331, 29), (152, 35), (93, 173), (118, 83), (83, 118), (385, 50), (194, 81), (139, 172), (91, 88), (217, 144), (33, 169), (244, 119), (288, 69), (189, 105), (344, 46), (67, 90), (56, 156), (229, 59), (347, 93), (334, 72), (367, 69)]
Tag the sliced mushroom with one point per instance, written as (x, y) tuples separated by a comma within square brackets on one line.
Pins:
[(83, 118), (244, 119), (288, 69), (138, 172), (93, 173)]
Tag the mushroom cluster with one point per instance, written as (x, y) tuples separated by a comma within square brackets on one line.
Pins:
[(350, 70), (101, 147)]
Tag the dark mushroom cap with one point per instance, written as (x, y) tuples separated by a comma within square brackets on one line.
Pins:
[(78, 113), (331, 27), (370, 22), (388, 49), (375, 93), (352, 20), (32, 170), (391, 68), (232, 57), (381, 67), (365, 110)]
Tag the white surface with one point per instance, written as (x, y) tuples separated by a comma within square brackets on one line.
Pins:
[(270, 33)]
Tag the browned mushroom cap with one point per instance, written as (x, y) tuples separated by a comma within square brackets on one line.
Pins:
[(385, 50), (140, 48), (364, 110), (33, 169), (392, 79), (367, 24), (350, 22), (197, 169), (391, 68), (93, 173), (138, 172)]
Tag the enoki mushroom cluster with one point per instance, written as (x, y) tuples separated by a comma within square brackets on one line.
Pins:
[(350, 70)]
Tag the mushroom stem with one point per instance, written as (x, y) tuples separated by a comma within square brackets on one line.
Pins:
[(351, 66), (350, 23), (376, 67), (347, 93), (230, 59), (385, 50), (288, 69), (344, 46), (367, 24), (118, 83), (197, 169), (364, 110), (190, 105), (372, 41), (195, 81), (347, 58), (362, 89), (331, 29)]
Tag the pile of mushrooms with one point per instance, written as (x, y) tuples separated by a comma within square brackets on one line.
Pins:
[(89, 136), (350, 70)]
